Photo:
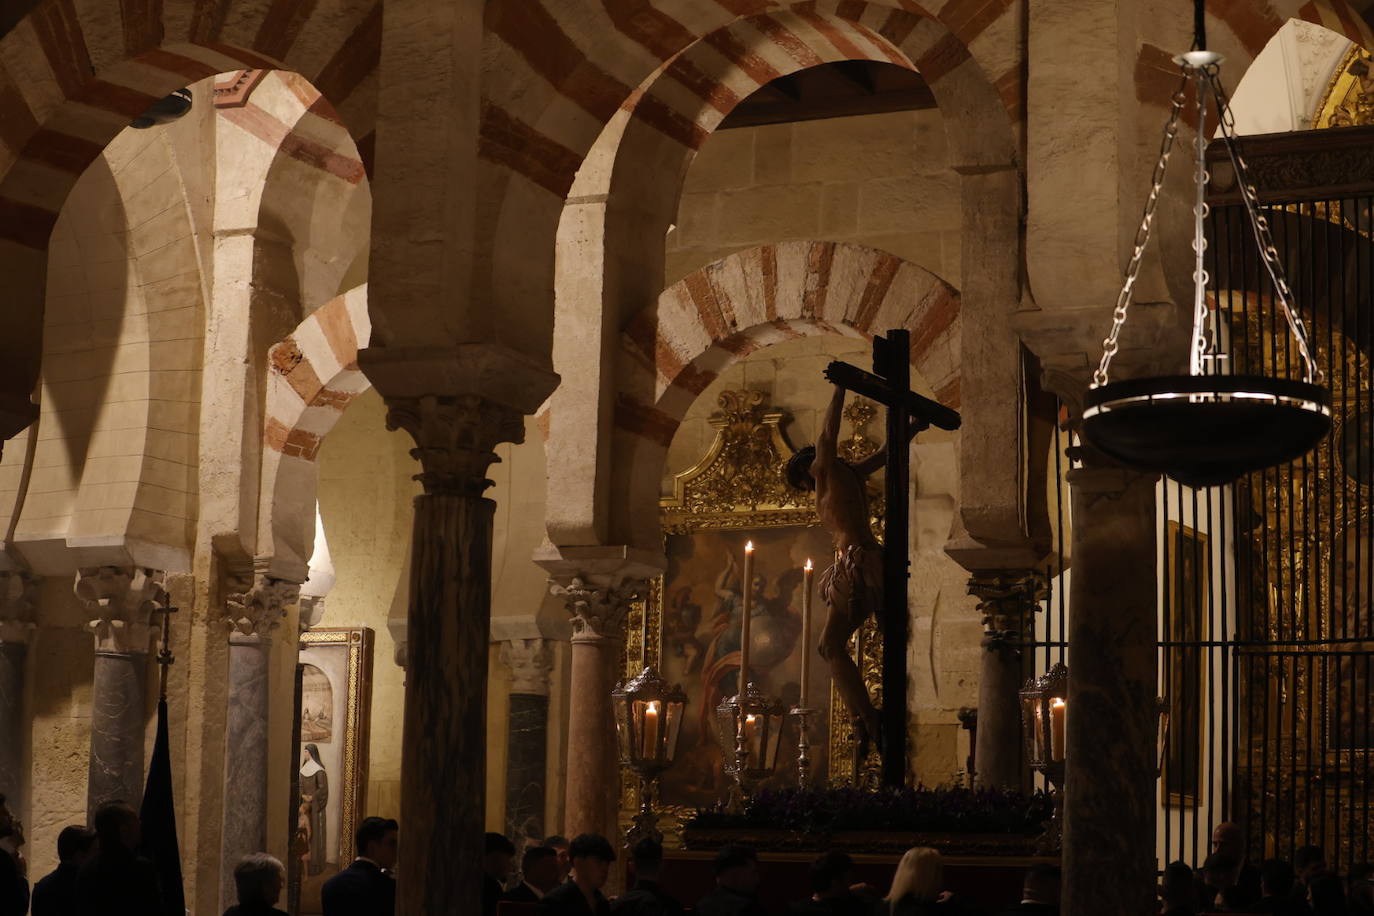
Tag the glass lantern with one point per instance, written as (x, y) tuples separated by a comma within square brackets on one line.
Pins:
[(749, 734), (648, 721), (1044, 720)]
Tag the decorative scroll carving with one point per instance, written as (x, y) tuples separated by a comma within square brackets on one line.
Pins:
[(18, 606), (1349, 100), (598, 608), (257, 609), (455, 438), (1007, 601), (121, 601), (530, 662)]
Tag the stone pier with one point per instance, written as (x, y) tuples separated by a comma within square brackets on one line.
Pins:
[(121, 602), (1109, 794), (1007, 601), (531, 663), (18, 607)]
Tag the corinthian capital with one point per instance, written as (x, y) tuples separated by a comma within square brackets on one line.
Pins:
[(255, 604), (455, 438), (1007, 600), (530, 662), (598, 604), (18, 606), (121, 601)]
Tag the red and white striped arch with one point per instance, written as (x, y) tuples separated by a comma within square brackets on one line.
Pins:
[(313, 377), (73, 74), (701, 325)]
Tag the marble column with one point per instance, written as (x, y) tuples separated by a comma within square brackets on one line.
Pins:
[(598, 605), (444, 768), (1007, 601), (530, 662), (1109, 793), (18, 608), (121, 602), (254, 606)]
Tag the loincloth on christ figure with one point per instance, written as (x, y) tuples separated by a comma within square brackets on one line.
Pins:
[(854, 584)]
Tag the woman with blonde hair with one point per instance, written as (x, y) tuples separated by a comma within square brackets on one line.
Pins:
[(917, 885)]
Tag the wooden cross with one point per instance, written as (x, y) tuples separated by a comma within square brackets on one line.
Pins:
[(889, 384)]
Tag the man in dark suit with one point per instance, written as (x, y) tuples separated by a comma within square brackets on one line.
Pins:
[(540, 874), (737, 885), (117, 881), (1039, 892), (55, 895), (366, 888), (580, 895), (497, 854), (647, 898)]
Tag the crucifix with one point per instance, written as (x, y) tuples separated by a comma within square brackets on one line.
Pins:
[(865, 578)]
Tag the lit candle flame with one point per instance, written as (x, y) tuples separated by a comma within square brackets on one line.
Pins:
[(807, 567), (749, 547), (653, 706), (749, 718), (1058, 701)]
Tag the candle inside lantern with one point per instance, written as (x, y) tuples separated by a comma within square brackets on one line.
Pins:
[(746, 611), (1058, 712), (649, 750), (807, 572), (753, 740)]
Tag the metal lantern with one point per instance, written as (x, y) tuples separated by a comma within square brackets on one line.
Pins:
[(648, 722), (749, 733), (1044, 720)]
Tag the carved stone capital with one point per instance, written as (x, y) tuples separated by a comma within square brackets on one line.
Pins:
[(530, 662), (255, 605), (1007, 601), (598, 604), (311, 611), (455, 438), (18, 606), (121, 601)]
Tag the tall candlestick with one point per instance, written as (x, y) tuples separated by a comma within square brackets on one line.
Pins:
[(1058, 712), (745, 613), (807, 573)]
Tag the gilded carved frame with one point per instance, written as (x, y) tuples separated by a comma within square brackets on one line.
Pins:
[(739, 484)]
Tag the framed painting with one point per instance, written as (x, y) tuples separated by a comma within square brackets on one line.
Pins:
[(689, 624), (1188, 626), (329, 784)]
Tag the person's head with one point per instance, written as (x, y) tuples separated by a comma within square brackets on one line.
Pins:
[(310, 754), (1308, 863), (737, 868), (647, 856), (75, 844), (799, 469), (591, 855), (1276, 878), (1326, 894), (498, 853), (6, 818), (1361, 883), (920, 874), (1229, 840), (540, 867), (831, 873), (259, 879), (1041, 884), (376, 840), (1177, 889), (560, 844), (117, 827), (1219, 871)]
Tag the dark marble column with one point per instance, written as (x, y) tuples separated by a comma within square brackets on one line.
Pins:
[(254, 607), (531, 662), (121, 601), (18, 606), (1007, 600), (1109, 793)]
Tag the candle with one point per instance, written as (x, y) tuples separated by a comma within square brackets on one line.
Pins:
[(807, 572), (1058, 710), (745, 613), (650, 748), (753, 740)]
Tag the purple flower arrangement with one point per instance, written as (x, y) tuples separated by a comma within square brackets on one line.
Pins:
[(906, 810)]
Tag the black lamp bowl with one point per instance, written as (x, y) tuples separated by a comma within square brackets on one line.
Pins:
[(1205, 430)]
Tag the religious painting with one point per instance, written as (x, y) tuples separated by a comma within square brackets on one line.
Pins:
[(334, 687), (1186, 619), (689, 625)]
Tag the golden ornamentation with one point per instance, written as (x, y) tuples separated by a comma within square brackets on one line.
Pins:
[(1349, 99), (739, 484), (858, 446)]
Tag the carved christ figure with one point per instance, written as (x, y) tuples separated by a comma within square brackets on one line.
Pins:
[(852, 588)]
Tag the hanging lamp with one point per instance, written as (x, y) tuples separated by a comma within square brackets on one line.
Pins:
[(1206, 428)]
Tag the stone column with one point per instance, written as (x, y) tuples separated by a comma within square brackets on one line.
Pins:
[(121, 602), (531, 663), (1109, 795), (598, 605), (18, 607), (1007, 601), (443, 769), (254, 606)]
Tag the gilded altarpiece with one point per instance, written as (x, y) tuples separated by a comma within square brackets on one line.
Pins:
[(735, 493)]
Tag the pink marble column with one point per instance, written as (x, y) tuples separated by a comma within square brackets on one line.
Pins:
[(1007, 601)]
